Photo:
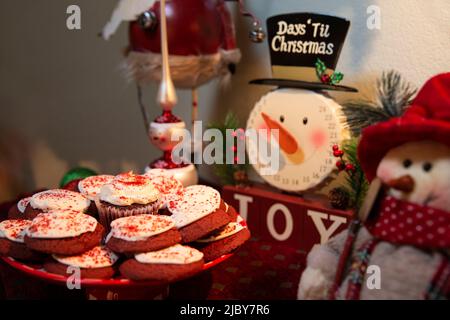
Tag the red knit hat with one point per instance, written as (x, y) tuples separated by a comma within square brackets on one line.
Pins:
[(427, 118)]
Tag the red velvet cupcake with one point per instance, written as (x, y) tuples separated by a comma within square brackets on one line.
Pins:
[(63, 232), (142, 233), (198, 212), (56, 199), (169, 188), (12, 243), (223, 241), (97, 263), (90, 188), (167, 265), (127, 195)]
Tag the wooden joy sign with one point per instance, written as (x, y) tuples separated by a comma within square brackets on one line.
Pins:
[(286, 219)]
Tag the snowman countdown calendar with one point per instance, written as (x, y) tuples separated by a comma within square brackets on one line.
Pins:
[(306, 122), (304, 49)]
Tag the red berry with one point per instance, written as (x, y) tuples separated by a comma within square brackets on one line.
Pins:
[(340, 165), (335, 147), (350, 167), (325, 78), (338, 153)]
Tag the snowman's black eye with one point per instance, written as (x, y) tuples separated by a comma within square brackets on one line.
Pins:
[(305, 120), (427, 167), (407, 163), (281, 118)]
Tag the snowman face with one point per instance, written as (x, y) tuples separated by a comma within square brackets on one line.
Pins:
[(308, 125), (160, 134), (427, 163)]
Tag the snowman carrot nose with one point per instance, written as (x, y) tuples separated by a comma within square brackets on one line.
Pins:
[(286, 141), (404, 183)]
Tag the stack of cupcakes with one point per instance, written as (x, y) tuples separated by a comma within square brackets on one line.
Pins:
[(152, 235), (156, 229), (22, 236), (72, 239)]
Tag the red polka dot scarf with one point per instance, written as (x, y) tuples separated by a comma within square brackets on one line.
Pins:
[(402, 222)]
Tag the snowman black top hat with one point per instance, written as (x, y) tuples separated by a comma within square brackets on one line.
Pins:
[(304, 51)]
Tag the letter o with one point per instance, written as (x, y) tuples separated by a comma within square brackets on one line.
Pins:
[(287, 217)]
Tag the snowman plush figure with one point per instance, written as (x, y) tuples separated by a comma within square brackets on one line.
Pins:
[(405, 238)]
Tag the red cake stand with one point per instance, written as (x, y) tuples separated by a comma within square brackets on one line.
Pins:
[(118, 288)]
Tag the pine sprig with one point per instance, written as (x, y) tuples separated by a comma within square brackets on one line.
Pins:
[(361, 114), (356, 185), (356, 182), (394, 95), (227, 172)]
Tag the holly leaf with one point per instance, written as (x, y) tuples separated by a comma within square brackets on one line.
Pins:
[(336, 77), (320, 67)]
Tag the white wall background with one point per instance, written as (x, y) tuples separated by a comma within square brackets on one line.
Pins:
[(61, 91)]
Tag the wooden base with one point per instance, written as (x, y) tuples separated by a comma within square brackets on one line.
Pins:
[(297, 221)]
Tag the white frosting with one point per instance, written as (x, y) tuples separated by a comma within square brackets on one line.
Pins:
[(61, 224), (177, 254), (98, 257), (168, 187), (225, 232), (195, 203), (14, 230), (152, 173), (141, 227), (59, 199), (127, 189), (90, 187), (22, 204)]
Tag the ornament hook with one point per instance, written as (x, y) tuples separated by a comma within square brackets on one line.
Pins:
[(147, 20), (257, 35)]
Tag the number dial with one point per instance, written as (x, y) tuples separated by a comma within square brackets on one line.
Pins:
[(315, 122)]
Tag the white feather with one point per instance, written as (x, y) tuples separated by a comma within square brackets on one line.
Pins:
[(126, 10)]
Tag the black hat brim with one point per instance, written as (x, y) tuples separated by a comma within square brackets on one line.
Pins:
[(285, 83)]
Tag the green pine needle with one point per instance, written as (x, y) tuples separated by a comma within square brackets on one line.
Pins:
[(225, 172), (356, 183), (394, 95), (363, 114)]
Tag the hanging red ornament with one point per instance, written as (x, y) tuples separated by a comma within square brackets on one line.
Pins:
[(200, 34)]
